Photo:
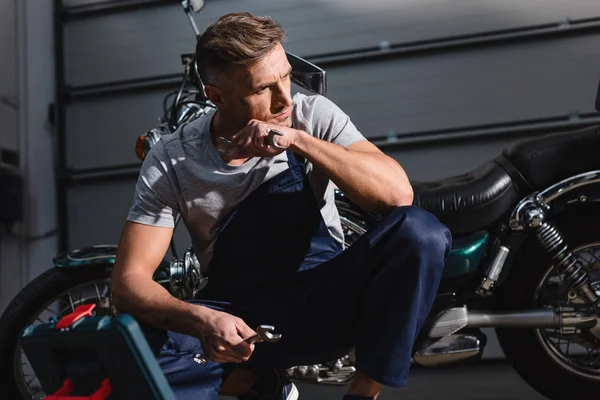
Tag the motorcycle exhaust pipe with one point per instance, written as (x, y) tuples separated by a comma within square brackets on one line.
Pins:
[(458, 318), (535, 318)]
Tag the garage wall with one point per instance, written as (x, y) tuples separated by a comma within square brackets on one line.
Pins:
[(8, 73), (398, 68), (442, 86), (27, 84), (9, 249)]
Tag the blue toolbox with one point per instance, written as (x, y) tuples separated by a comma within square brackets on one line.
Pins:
[(84, 356)]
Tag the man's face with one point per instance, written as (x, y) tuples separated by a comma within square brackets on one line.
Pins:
[(261, 91)]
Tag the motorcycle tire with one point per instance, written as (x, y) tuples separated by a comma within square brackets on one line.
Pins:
[(32, 299), (580, 226)]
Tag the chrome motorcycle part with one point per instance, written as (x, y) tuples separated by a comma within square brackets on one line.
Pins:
[(493, 271), (457, 318), (517, 218), (565, 186), (450, 321), (544, 198), (548, 317), (449, 350), (338, 372), (553, 242), (190, 6), (530, 213), (185, 276)]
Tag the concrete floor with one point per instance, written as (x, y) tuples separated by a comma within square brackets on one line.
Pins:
[(491, 380)]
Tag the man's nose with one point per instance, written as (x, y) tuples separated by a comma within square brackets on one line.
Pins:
[(282, 96)]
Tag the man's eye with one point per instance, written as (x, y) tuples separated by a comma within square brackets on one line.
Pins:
[(262, 90)]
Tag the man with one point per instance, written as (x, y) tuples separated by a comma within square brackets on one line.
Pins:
[(265, 228)]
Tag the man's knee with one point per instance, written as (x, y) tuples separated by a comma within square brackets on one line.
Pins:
[(422, 232)]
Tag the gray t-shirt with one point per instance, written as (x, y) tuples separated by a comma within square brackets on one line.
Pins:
[(184, 177)]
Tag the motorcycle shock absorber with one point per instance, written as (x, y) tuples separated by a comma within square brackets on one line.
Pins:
[(563, 258)]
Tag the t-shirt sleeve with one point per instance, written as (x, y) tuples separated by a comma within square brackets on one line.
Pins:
[(155, 202), (329, 122)]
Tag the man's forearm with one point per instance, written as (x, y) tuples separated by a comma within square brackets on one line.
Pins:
[(371, 179), (152, 304)]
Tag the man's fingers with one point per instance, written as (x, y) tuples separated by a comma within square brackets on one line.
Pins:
[(225, 353), (260, 141), (243, 329), (243, 348)]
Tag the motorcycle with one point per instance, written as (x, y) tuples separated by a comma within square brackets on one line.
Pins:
[(525, 259)]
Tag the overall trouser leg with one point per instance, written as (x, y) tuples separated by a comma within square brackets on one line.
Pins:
[(406, 267), (188, 379), (375, 295)]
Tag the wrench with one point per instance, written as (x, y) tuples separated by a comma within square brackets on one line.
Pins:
[(226, 146), (264, 333)]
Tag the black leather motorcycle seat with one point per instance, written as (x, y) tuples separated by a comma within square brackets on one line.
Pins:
[(545, 160), (469, 202)]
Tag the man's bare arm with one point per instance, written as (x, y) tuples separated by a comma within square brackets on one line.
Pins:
[(370, 178), (141, 249)]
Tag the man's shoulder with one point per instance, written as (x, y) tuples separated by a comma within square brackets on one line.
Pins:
[(189, 134), (313, 106)]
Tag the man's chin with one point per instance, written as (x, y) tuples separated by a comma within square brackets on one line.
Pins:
[(287, 122)]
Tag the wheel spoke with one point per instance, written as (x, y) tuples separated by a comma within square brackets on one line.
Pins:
[(71, 302), (98, 294)]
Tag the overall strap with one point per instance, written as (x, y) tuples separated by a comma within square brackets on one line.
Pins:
[(294, 159)]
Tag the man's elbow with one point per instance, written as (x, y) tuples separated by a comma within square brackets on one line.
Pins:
[(403, 196)]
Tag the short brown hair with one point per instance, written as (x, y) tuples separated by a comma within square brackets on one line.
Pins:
[(235, 39)]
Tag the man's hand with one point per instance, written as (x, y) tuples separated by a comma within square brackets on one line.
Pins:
[(222, 336), (252, 140)]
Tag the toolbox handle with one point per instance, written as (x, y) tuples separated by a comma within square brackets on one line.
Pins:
[(67, 388), (85, 310)]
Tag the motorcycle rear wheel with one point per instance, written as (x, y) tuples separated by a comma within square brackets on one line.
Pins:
[(65, 287), (535, 357)]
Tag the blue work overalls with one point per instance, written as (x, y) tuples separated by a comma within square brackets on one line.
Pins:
[(275, 263)]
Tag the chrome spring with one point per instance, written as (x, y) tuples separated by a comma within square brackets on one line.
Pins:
[(552, 240)]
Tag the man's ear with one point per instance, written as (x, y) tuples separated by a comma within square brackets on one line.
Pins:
[(214, 95)]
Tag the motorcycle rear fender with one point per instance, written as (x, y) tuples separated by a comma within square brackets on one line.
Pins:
[(102, 254), (582, 188)]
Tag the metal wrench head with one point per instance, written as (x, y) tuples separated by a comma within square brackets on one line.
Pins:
[(265, 332)]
